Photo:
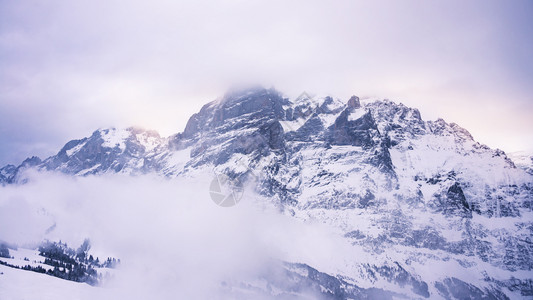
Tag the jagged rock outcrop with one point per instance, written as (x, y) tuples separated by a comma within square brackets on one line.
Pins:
[(353, 103)]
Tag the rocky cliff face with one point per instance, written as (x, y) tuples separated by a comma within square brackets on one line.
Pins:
[(435, 213)]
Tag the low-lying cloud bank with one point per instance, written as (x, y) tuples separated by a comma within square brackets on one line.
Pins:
[(173, 241)]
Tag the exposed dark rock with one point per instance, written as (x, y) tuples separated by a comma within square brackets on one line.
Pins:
[(398, 275), (298, 278), (311, 130), (453, 203), (360, 132), (453, 288), (353, 103)]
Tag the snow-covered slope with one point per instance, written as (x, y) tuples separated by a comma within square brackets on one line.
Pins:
[(16, 284), (523, 160), (429, 211)]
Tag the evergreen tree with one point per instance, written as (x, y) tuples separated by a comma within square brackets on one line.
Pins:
[(83, 250), (4, 251)]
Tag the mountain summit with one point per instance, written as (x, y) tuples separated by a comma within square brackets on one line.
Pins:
[(440, 214)]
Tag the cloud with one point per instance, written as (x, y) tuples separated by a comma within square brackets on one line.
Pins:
[(69, 68), (173, 241)]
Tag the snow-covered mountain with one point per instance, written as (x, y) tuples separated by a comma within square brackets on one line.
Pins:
[(429, 211)]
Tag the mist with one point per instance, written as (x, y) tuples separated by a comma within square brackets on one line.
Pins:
[(172, 239)]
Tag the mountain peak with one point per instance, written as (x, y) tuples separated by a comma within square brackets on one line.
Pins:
[(354, 102), (241, 92), (31, 161)]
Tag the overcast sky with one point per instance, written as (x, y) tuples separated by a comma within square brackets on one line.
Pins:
[(70, 67)]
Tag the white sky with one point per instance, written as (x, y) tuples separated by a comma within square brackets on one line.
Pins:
[(70, 67)]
